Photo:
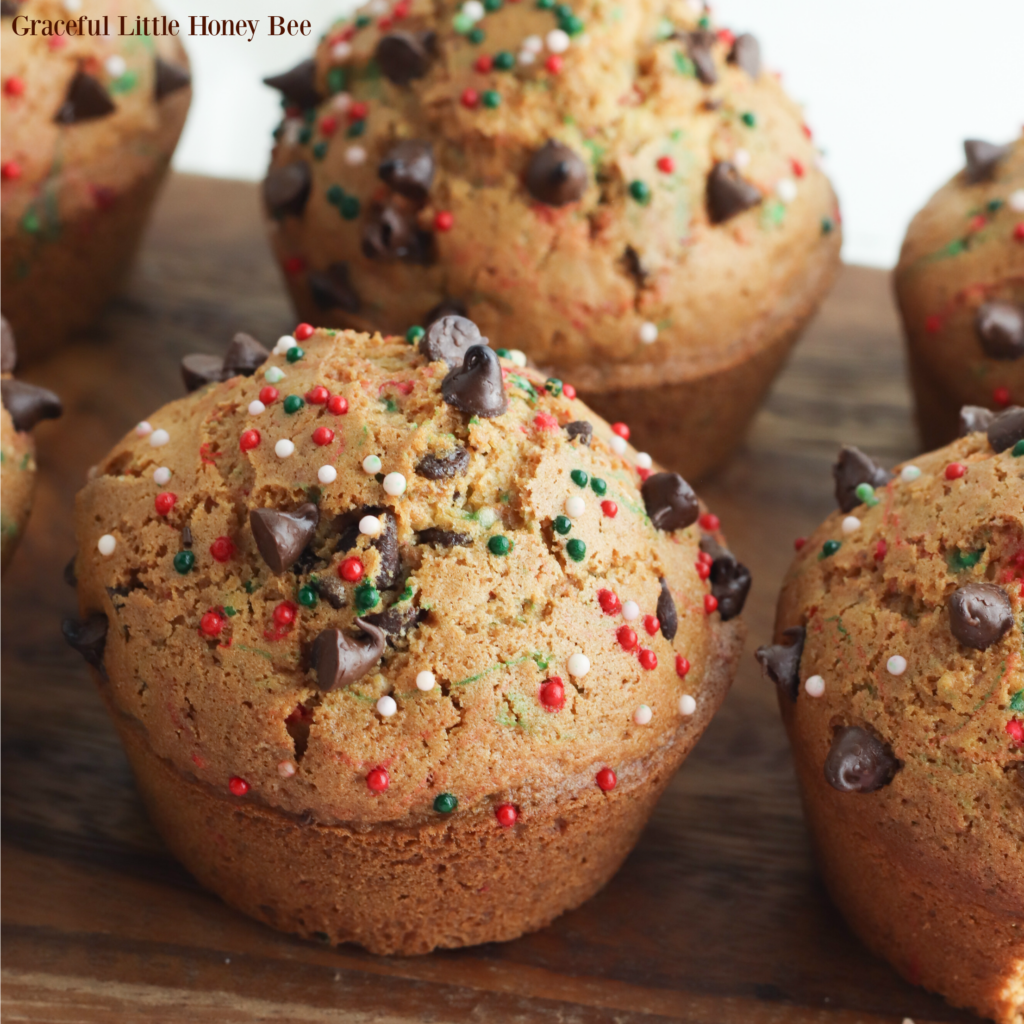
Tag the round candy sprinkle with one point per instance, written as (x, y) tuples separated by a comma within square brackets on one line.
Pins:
[(665, 164), (643, 460), (1018, 449), (626, 637), (908, 474), (322, 436), (327, 474), (682, 666), (238, 786), (687, 705), (161, 475), (293, 355), (159, 438), (318, 395), (815, 686), (222, 549), (256, 407), (575, 506), (609, 602), (605, 779), (576, 549), (183, 562), (499, 545), (518, 357), (284, 614), (648, 332), (562, 525), (386, 706), (337, 404), (284, 448), (274, 375), (955, 470), (307, 597), (829, 548), (249, 440), (143, 429), (366, 597), (425, 681), (211, 623), (394, 484), (444, 220), (370, 526), (579, 665), (377, 780), (896, 665), (851, 524), (303, 331), (579, 477), (490, 99), (351, 569), (552, 694), (610, 509), (640, 191), (268, 395), (710, 603), (506, 815), (785, 189), (621, 430), (651, 624), (557, 41), (164, 502), (555, 63), (286, 769), (630, 611), (598, 486), (283, 344), (643, 715), (648, 659), (292, 404), (445, 803), (533, 44), (106, 544), (1016, 200), (371, 464), (414, 334)]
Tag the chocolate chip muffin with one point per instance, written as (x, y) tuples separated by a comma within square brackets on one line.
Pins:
[(899, 667), (23, 406), (960, 288), (621, 192), (402, 641), (90, 121)]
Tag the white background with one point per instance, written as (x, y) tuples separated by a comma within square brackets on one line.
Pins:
[(891, 88)]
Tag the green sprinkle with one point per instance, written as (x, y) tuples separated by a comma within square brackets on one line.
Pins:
[(704, 22), (294, 354), (504, 353), (366, 597), (827, 226), (562, 524), (476, 36), (576, 550), (307, 597), (350, 206), (579, 477), (572, 25), (445, 803), (229, 611), (462, 23), (1017, 701), (684, 65), (563, 11), (355, 129), (335, 194), (30, 222), (363, 20), (293, 403), (320, 151), (830, 547), (866, 494), (640, 191), (183, 562), (749, 119), (598, 486), (958, 560), (305, 134), (545, 5), (504, 61), (335, 80), (414, 334), (553, 386), (994, 205), (490, 99), (1018, 449), (492, 5), (499, 545), (250, 587)]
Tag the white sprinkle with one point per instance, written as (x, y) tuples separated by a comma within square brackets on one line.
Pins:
[(648, 332), (579, 665), (687, 705), (851, 524), (425, 680), (284, 448), (785, 189), (159, 438), (327, 474), (575, 506), (518, 358), (630, 611), (284, 343), (473, 9), (341, 50), (487, 517), (379, 7), (161, 476), (285, 769), (526, 58), (273, 375), (342, 102), (106, 544), (394, 484), (696, 6), (371, 464), (386, 706), (557, 41), (618, 444), (355, 155), (256, 407), (741, 159), (643, 715), (370, 525), (908, 474), (533, 44), (115, 66), (896, 665), (72, 6), (143, 428), (815, 686), (1016, 200), (643, 460), (291, 132)]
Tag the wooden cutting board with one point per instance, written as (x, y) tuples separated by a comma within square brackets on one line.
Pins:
[(718, 915)]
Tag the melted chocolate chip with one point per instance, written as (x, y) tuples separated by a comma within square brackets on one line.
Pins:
[(387, 545), (476, 387), (730, 584), (88, 637), (668, 619), (728, 194), (409, 169), (340, 660), (286, 189), (331, 288), (450, 338), (581, 429), (980, 614), (556, 174), (746, 53), (852, 469), (8, 348), (245, 355), (699, 49), (1000, 329), (28, 404), (331, 589), (446, 307), (169, 78), (858, 762), (1006, 428), (282, 536), (781, 662), (396, 623), (86, 99), (444, 467), (439, 538), (390, 233), (199, 369), (982, 159), (403, 56), (634, 266), (974, 419), (670, 501), (298, 86)]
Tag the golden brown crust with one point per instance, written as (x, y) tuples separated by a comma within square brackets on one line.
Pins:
[(17, 484)]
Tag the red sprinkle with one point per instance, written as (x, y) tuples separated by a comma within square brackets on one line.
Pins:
[(318, 395), (484, 63), (651, 624), (626, 637), (211, 623), (294, 265), (470, 98), (545, 421), (444, 220), (798, 168), (977, 222), (610, 509), (165, 502), (284, 613), (323, 435), (955, 470), (710, 603), (222, 549), (568, 391), (377, 780), (1001, 396), (725, 37), (328, 126), (1018, 232), (933, 323), (799, 543), (358, 111), (351, 570), (249, 440), (506, 815), (665, 164), (552, 694), (555, 63), (705, 558), (622, 430), (268, 395), (648, 659), (703, 570), (643, 473), (238, 786), (14, 86), (606, 779), (710, 522), (400, 10), (11, 169), (1015, 730), (337, 404), (302, 332), (682, 666), (609, 602)]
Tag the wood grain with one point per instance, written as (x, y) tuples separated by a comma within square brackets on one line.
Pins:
[(717, 916)]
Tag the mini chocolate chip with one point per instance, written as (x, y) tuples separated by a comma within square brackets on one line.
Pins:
[(340, 660), (1000, 329), (298, 85), (331, 589), (332, 289), (394, 622), (634, 266), (8, 347), (245, 355), (444, 467), (1006, 428), (70, 576), (980, 614), (699, 49), (86, 99), (281, 536), (446, 307), (286, 189), (556, 174), (199, 369), (746, 53), (781, 662), (670, 501), (87, 636), (982, 159), (858, 762), (439, 538), (668, 619), (974, 419), (450, 338), (390, 233), (728, 194), (582, 429), (852, 469), (409, 169), (476, 387), (169, 78), (28, 404), (730, 584), (186, 536), (403, 56), (387, 545)]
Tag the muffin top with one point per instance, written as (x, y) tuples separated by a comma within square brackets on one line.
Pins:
[(83, 115), (908, 603), (378, 580), (592, 183)]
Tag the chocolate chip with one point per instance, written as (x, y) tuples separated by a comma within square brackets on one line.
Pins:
[(556, 174), (476, 387), (245, 355), (699, 49), (730, 584), (450, 338), (634, 266), (409, 169), (668, 619), (982, 159), (858, 762), (28, 404), (852, 469), (974, 419), (396, 623), (340, 660), (980, 614), (1006, 428), (390, 233), (8, 347), (1000, 329), (746, 53), (446, 307), (670, 501), (331, 288), (728, 193), (286, 189), (199, 369), (781, 662), (298, 86), (8, 8), (281, 536), (86, 99), (403, 56), (88, 637), (70, 576), (169, 78), (581, 429), (444, 467), (186, 536), (331, 589), (439, 538), (387, 545)]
